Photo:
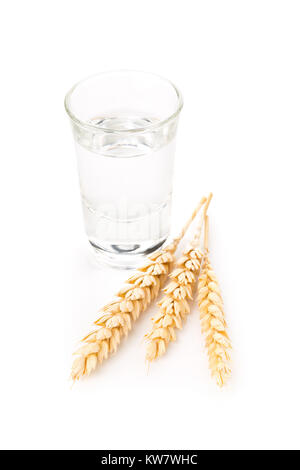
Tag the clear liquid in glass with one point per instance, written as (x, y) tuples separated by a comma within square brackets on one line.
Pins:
[(126, 185)]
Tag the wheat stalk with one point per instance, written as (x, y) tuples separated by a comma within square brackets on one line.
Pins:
[(117, 316), (213, 322), (174, 306)]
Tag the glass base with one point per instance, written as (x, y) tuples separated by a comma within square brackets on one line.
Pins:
[(124, 256)]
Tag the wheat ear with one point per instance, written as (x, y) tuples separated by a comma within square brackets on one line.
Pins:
[(212, 317), (174, 306), (117, 316)]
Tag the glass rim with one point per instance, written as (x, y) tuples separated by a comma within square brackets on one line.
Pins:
[(93, 127)]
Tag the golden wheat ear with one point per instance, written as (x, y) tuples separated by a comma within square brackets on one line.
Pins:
[(212, 316), (117, 316), (174, 307)]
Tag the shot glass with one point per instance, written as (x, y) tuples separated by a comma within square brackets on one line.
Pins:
[(124, 125)]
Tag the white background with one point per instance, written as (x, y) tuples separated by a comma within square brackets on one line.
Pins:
[(237, 64)]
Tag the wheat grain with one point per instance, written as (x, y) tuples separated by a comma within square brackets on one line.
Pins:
[(174, 307), (117, 316), (213, 322)]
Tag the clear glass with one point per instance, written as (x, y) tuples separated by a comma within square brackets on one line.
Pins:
[(124, 125)]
